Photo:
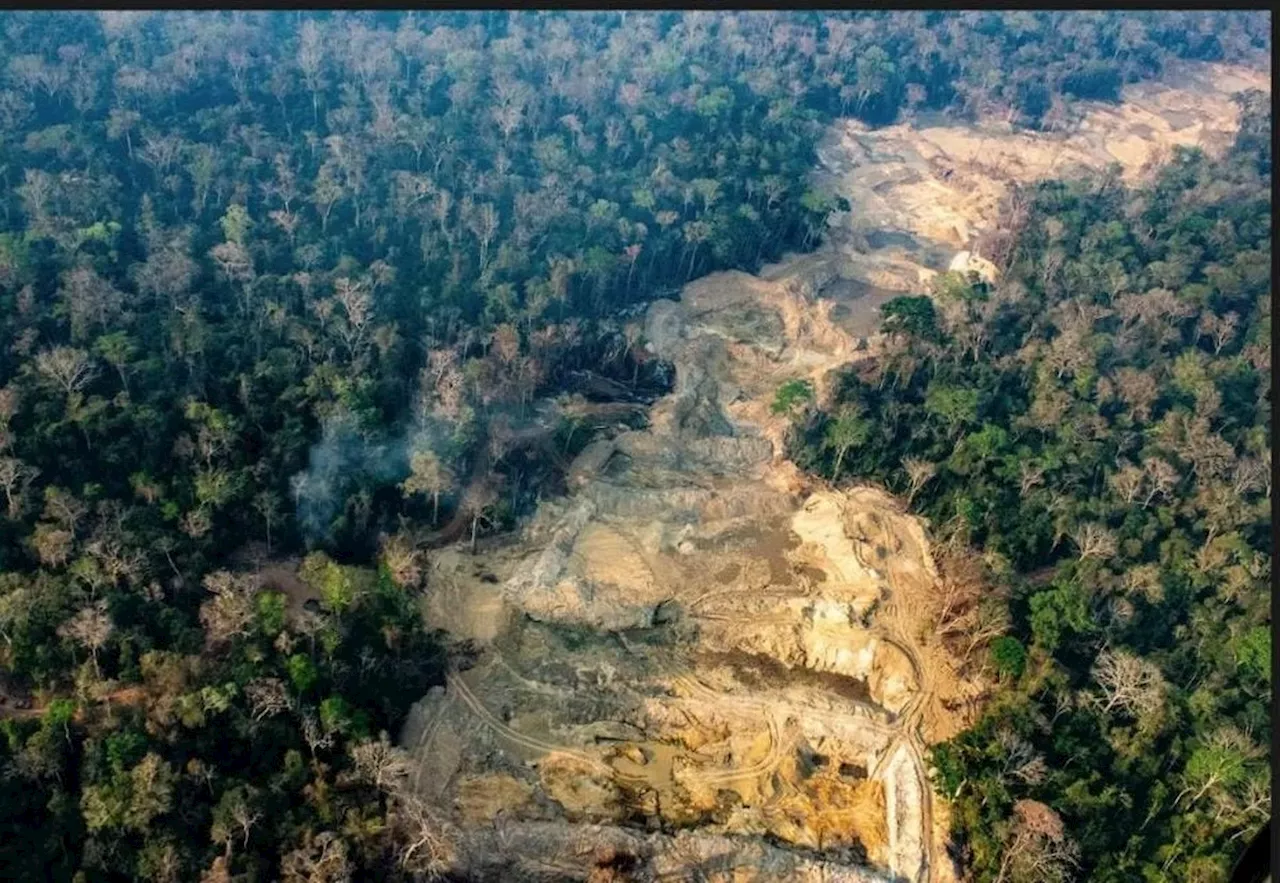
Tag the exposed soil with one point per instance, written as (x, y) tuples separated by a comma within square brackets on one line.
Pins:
[(699, 659)]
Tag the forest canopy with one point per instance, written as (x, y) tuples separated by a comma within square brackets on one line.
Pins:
[(277, 286)]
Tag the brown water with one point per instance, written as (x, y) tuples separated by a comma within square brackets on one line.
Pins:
[(857, 305), (760, 673), (926, 252), (770, 542), (892, 239)]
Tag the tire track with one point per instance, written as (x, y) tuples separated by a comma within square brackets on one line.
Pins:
[(764, 766), (908, 727), (429, 736), (761, 619), (782, 592), (477, 708), (473, 703), (761, 767)]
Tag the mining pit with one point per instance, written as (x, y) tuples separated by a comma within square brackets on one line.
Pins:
[(699, 658)]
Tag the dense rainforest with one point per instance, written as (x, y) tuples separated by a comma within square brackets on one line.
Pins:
[(287, 286), (1098, 426)]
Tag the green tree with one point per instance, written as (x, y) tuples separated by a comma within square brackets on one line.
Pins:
[(1009, 657), (792, 397), (847, 430), (956, 406), (911, 315)]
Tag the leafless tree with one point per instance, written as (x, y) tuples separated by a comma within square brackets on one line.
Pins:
[(1145, 580), (480, 496), (267, 697), (1220, 508), (310, 60), (15, 479), (117, 560), (287, 221), (240, 814), (234, 262), (37, 191), (1251, 474), (64, 508), (326, 192), (69, 368), (1094, 541), (322, 859), (229, 614), (1070, 351), (426, 846), (91, 627), (428, 474), (959, 591), (245, 817), (1220, 329), (1030, 476), (315, 733), (1127, 482), (990, 620), (160, 151), (196, 523), (267, 504), (1244, 808), (1209, 454), (217, 872), (919, 472), (1162, 478), (52, 544), (1022, 763), (90, 301), (1138, 390), (403, 561), (1127, 683), (484, 221), (1037, 848), (381, 763), (506, 343)]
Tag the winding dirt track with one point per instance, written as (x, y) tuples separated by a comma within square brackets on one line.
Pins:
[(475, 706), (902, 729), (458, 687), (765, 765)]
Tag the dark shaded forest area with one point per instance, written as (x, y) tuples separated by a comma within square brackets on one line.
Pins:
[(278, 285)]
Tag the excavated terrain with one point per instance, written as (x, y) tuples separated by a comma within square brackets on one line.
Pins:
[(699, 663)]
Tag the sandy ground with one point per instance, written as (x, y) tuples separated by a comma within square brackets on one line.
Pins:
[(700, 655), (921, 192)]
